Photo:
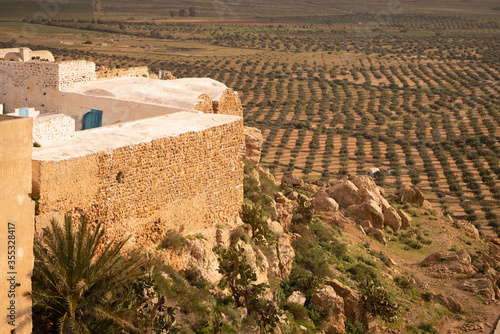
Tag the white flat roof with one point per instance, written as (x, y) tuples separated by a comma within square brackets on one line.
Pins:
[(106, 139), (179, 93)]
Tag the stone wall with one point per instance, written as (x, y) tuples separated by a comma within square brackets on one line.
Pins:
[(111, 73), (192, 180), (50, 128), (229, 103), (75, 71), (42, 74), (17, 213)]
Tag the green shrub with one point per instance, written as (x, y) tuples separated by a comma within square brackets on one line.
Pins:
[(173, 240), (355, 328), (427, 328), (363, 274), (404, 283), (378, 301), (299, 312)]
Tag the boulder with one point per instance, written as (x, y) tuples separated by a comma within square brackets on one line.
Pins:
[(204, 261), (323, 202), (253, 144), (459, 262), (479, 286), (366, 195), (365, 224), (367, 211), (266, 173), (275, 228), (469, 229), (345, 193), (411, 195), (297, 297), (286, 255), (378, 235), (366, 182), (326, 300), (311, 188), (451, 304), (405, 219), (293, 195), (391, 217), (291, 180), (353, 305)]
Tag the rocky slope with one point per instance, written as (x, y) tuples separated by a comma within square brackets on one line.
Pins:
[(345, 257)]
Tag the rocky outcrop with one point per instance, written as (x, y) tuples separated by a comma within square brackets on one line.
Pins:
[(253, 144), (353, 305), (378, 235), (204, 261), (284, 210), (459, 262), (451, 304), (363, 199), (345, 193), (391, 217), (479, 286), (285, 257), (291, 181), (411, 195), (367, 211), (323, 202), (405, 219), (326, 300), (366, 182), (297, 297)]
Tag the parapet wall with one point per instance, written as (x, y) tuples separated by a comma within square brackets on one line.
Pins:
[(110, 73), (51, 128), (193, 179), (44, 74), (75, 72)]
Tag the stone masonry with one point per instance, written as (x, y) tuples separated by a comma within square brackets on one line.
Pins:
[(191, 178)]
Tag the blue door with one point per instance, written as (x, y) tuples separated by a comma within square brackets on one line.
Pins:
[(24, 112), (92, 119)]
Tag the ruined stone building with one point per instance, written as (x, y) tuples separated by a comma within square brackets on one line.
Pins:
[(141, 155)]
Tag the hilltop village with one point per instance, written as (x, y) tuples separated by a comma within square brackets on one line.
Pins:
[(168, 164)]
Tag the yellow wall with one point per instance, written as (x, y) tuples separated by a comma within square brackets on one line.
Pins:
[(17, 212)]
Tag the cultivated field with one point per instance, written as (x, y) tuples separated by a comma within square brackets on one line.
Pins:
[(416, 96)]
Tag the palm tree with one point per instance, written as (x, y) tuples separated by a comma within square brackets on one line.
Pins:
[(81, 285)]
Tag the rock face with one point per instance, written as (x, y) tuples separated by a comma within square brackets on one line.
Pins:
[(367, 211), (253, 144), (323, 202), (411, 195), (459, 262), (345, 193)]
